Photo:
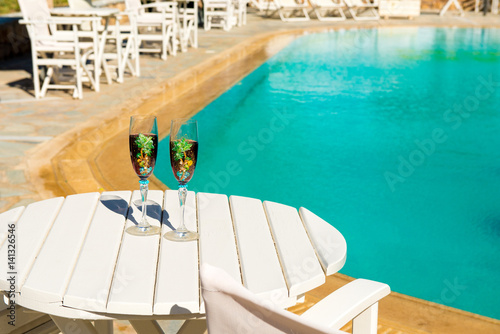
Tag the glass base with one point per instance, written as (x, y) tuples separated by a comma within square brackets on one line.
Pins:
[(143, 231), (181, 236)]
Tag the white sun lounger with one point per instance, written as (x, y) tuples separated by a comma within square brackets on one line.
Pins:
[(363, 9), (329, 10), (447, 6), (289, 10)]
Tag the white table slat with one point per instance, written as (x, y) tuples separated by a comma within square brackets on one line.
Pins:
[(298, 259), (260, 266), (328, 242), (177, 283), (91, 280), (132, 291), (37, 217), (217, 242), (7, 218), (54, 266)]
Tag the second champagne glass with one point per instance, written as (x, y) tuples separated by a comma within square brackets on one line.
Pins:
[(143, 144), (183, 157)]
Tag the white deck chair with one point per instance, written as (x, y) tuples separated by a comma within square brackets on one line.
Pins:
[(328, 10), (125, 40), (261, 5), (80, 4), (188, 17), (58, 49), (230, 308), (457, 6), (57, 52), (124, 49), (219, 13), (290, 10), (156, 23), (240, 7), (363, 9)]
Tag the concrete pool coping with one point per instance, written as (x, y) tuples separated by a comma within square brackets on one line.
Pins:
[(89, 156)]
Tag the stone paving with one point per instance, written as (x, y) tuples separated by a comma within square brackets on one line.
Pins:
[(32, 129)]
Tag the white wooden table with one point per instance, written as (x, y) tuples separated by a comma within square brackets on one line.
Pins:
[(104, 13), (73, 259)]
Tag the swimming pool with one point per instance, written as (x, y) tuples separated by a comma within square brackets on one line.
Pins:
[(391, 135)]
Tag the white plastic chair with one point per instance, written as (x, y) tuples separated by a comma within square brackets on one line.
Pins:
[(124, 38), (55, 49), (188, 17), (230, 308), (240, 8), (329, 10), (363, 10), (457, 6), (290, 10), (126, 49), (80, 4), (219, 13), (158, 25), (261, 5)]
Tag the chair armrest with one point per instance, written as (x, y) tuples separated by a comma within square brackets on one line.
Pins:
[(344, 304), (61, 20), (159, 5)]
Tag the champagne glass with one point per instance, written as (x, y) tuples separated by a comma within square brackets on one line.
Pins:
[(183, 157), (143, 144)]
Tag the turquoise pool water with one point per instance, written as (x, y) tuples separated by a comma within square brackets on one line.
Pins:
[(391, 135)]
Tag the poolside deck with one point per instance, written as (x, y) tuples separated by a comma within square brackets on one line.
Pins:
[(59, 146)]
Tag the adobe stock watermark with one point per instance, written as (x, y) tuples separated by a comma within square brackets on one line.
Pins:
[(11, 273), (451, 292), (453, 118)]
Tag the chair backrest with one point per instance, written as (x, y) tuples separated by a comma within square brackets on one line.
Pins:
[(230, 308), (360, 3), (217, 3), (80, 4), (291, 3), (36, 10), (325, 3), (133, 5)]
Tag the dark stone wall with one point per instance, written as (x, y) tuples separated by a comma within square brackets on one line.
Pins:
[(14, 40)]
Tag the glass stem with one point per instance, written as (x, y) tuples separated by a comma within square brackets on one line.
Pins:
[(182, 200), (144, 195)]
